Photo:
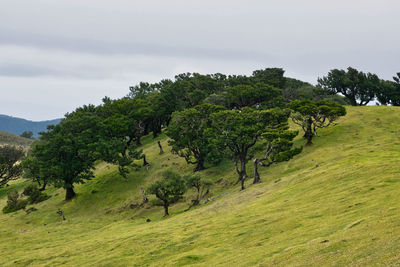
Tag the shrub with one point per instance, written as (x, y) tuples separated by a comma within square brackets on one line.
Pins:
[(34, 194), (14, 203)]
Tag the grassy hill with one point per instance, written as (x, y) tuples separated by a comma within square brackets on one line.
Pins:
[(12, 139), (335, 204)]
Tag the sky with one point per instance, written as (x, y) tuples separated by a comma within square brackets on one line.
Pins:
[(58, 55)]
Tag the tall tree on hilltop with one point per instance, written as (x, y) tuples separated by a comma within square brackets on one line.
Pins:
[(358, 87), (271, 76), (257, 95)]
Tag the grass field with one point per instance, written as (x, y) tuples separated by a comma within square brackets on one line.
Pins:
[(335, 204)]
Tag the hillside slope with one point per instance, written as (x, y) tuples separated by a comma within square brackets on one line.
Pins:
[(337, 203), (15, 140), (18, 126)]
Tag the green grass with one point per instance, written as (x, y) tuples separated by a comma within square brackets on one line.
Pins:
[(335, 204), (15, 140)]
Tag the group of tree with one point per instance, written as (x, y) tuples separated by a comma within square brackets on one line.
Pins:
[(361, 88), (207, 117)]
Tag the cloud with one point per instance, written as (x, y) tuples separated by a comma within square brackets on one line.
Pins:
[(73, 52)]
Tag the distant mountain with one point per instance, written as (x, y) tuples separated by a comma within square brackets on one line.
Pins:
[(18, 126)]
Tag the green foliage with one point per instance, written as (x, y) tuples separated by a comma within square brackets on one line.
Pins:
[(360, 88), (122, 127), (389, 92), (200, 184), (27, 134), (14, 203), (169, 189), (271, 76), (33, 166), (10, 169), (188, 130), (259, 94), (279, 148), (239, 130), (299, 90), (313, 115), (34, 194), (67, 152)]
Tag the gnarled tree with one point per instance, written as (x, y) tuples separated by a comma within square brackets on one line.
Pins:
[(188, 130), (359, 87), (279, 148), (238, 131), (311, 116), (169, 189)]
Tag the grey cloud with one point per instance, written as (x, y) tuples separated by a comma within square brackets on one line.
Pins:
[(74, 52)]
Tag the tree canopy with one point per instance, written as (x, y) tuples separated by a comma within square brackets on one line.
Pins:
[(169, 189), (237, 131), (188, 131), (68, 150), (313, 115), (359, 87)]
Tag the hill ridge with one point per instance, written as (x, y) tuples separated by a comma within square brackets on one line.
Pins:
[(17, 125)]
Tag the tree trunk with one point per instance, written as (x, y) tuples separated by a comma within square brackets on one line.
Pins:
[(308, 135), (161, 149), (144, 197), (70, 193), (243, 172), (199, 166), (145, 163), (257, 178), (166, 209), (43, 187), (353, 101), (138, 143)]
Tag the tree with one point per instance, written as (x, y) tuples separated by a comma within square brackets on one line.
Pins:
[(33, 169), (279, 148), (34, 194), (10, 169), (69, 149), (238, 131), (122, 126), (201, 185), (271, 76), (389, 92), (257, 95), (358, 87), (395, 101), (27, 134), (313, 115), (14, 202), (188, 130), (169, 189)]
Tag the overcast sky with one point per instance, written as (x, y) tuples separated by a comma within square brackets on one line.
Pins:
[(58, 55)]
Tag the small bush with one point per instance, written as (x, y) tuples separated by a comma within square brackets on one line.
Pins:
[(14, 203), (34, 195)]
